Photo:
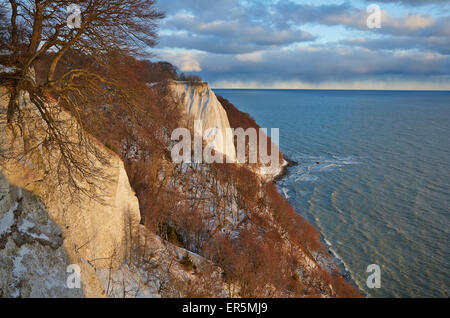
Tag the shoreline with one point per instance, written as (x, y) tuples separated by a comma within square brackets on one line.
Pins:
[(284, 169), (339, 263)]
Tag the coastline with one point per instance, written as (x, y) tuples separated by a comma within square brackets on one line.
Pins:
[(326, 258), (284, 169), (337, 260)]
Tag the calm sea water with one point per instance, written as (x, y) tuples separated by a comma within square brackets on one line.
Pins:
[(373, 176)]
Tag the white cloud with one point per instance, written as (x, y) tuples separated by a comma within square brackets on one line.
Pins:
[(188, 64), (293, 44), (355, 85), (186, 61), (410, 22), (250, 57)]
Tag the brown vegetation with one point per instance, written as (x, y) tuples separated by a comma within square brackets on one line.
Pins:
[(78, 71), (223, 212), (238, 119)]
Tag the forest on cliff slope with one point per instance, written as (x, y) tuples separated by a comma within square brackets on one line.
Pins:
[(99, 73)]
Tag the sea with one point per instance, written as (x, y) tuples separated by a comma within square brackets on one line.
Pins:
[(373, 176)]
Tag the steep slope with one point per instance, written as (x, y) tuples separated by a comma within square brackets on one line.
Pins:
[(200, 103), (44, 227), (243, 120), (91, 233)]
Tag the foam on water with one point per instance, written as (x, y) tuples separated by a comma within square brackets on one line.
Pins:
[(311, 168), (337, 257)]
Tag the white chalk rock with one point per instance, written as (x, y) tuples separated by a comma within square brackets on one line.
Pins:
[(44, 228), (200, 103)]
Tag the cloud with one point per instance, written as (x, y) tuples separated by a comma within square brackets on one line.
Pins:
[(238, 27), (247, 41), (322, 64), (409, 23), (230, 36), (415, 2), (186, 61), (290, 12), (250, 57), (355, 85), (438, 44), (285, 41)]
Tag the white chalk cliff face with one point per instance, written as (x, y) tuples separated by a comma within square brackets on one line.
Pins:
[(42, 230), (200, 103)]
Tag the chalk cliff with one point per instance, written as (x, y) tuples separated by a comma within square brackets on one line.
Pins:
[(42, 228), (45, 228), (200, 103)]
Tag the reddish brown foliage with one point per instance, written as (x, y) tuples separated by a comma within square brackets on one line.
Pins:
[(175, 202), (297, 227), (243, 120)]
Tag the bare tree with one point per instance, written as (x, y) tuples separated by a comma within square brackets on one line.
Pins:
[(76, 68)]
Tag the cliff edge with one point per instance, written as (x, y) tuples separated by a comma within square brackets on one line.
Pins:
[(48, 232), (200, 103)]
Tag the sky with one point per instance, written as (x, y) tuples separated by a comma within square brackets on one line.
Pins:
[(293, 44)]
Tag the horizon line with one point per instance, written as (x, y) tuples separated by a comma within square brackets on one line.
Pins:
[(337, 89)]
